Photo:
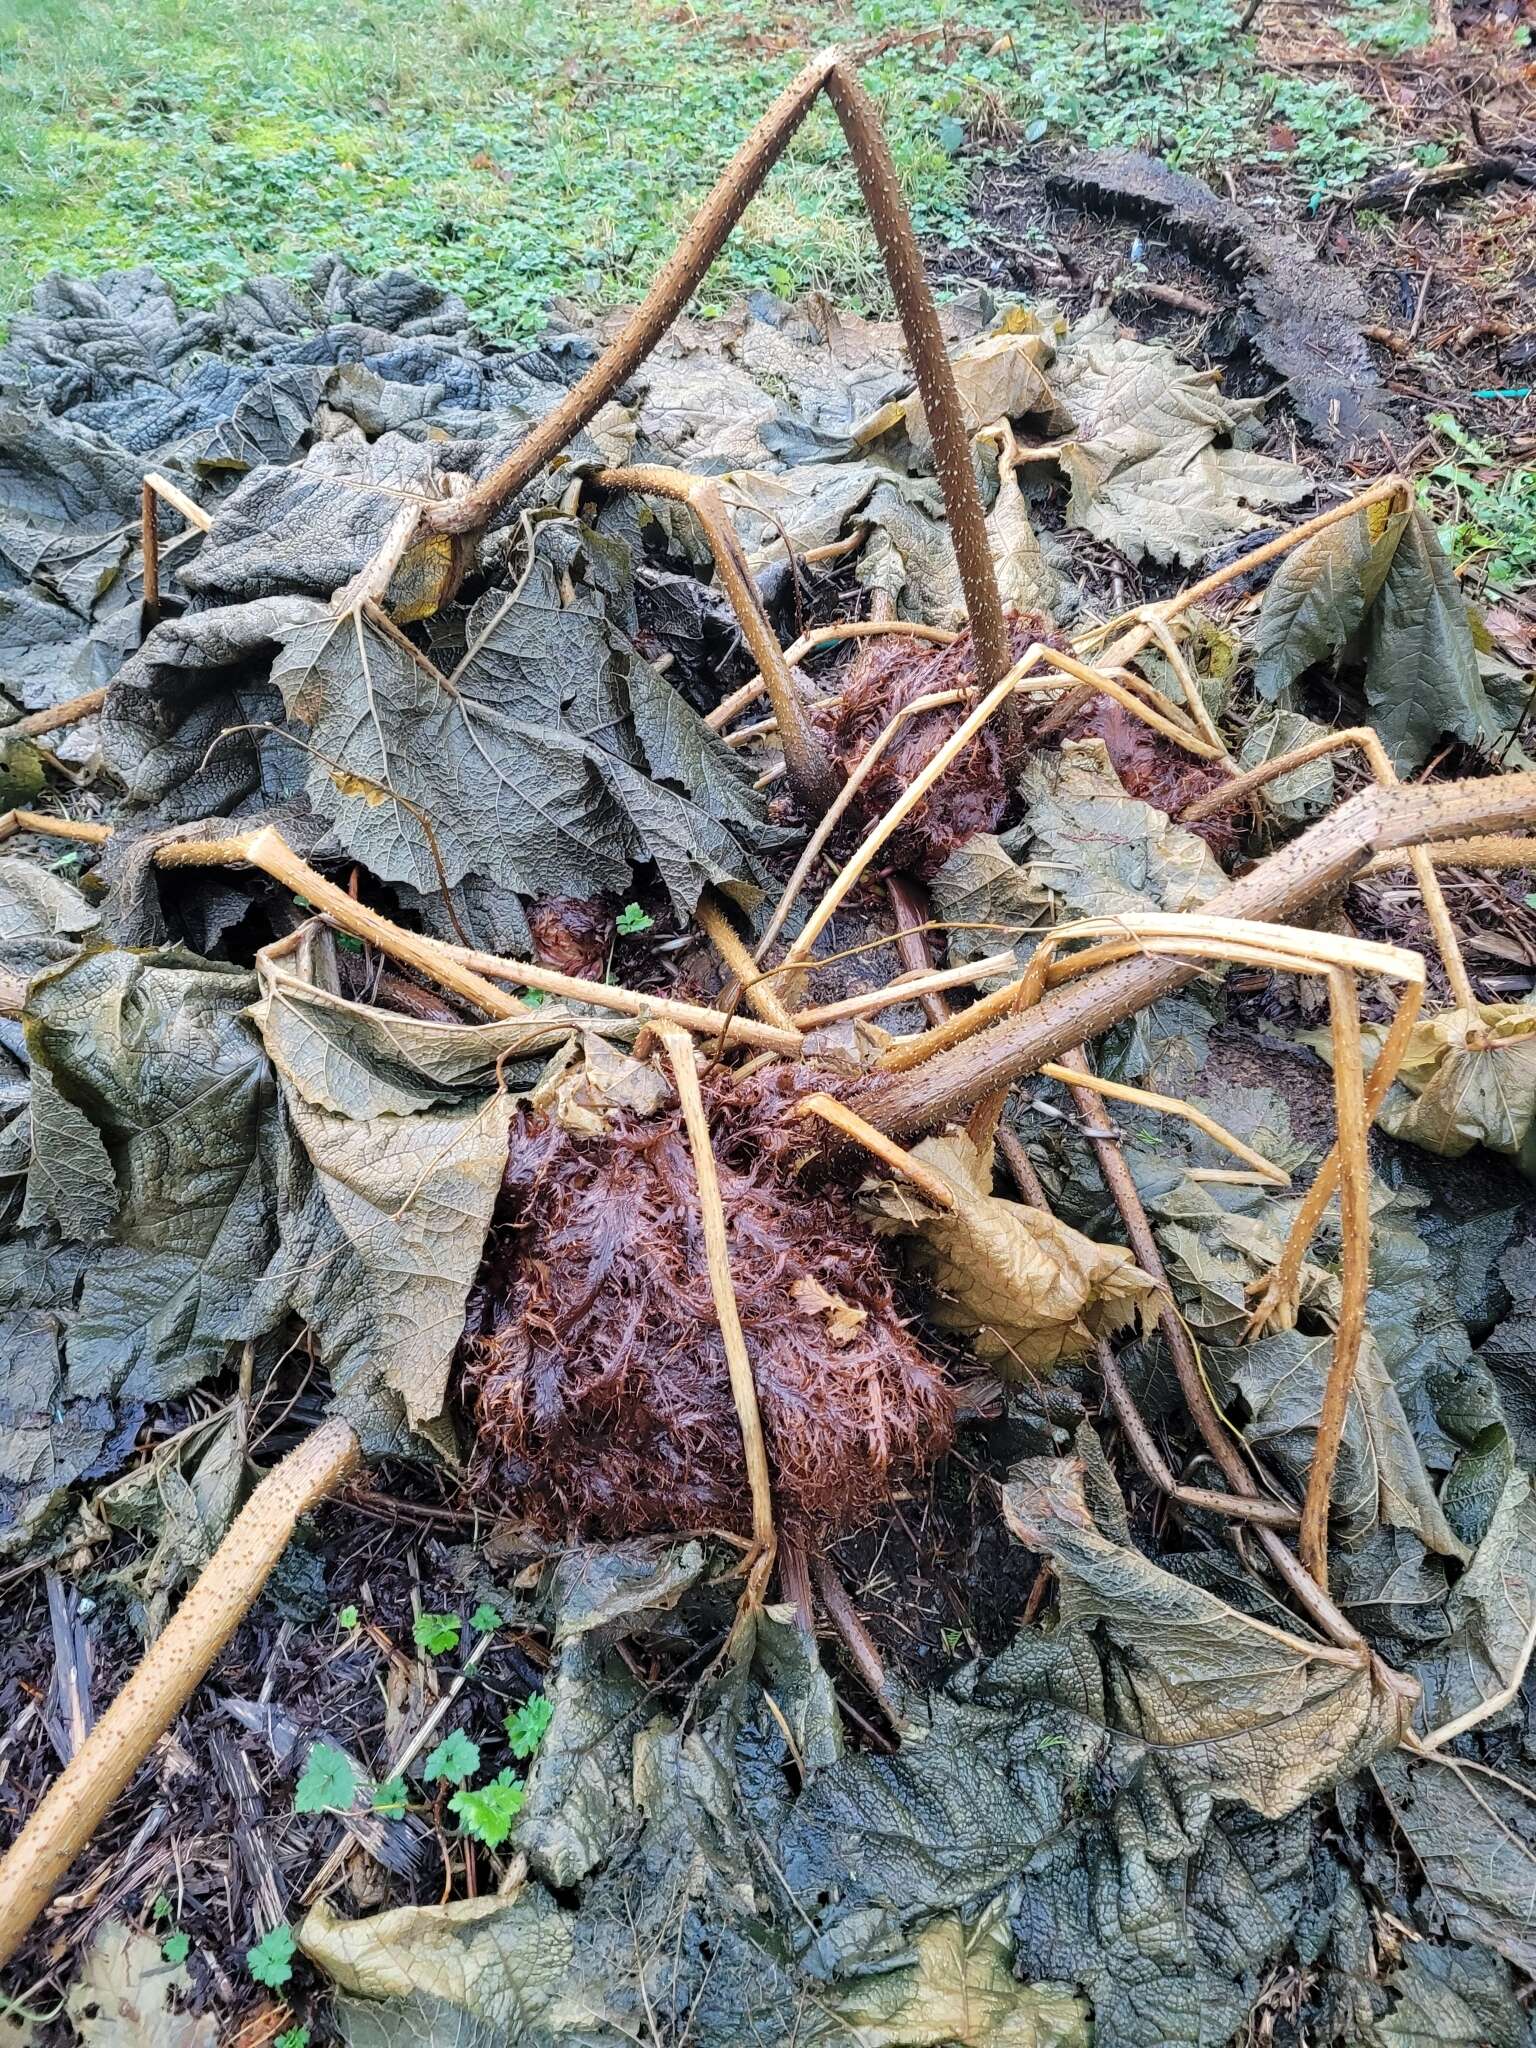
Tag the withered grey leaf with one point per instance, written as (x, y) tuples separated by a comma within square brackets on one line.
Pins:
[(153, 1051), (129, 1996), (50, 1435), (1472, 1835), (44, 919), (179, 1503), (550, 763), (1257, 1714), (1145, 470), (1102, 853)]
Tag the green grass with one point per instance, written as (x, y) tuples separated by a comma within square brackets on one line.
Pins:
[(514, 148)]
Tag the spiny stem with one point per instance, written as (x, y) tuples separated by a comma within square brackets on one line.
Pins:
[(171, 1669), (1308, 871)]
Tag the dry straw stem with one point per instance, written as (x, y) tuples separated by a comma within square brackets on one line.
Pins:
[(1171, 1105), (932, 700), (156, 487), (810, 772), (459, 969), (943, 1080), (171, 1669), (930, 1185), (680, 1054), (723, 936), (47, 826), (1379, 761), (1279, 1294), (822, 636), (906, 988)]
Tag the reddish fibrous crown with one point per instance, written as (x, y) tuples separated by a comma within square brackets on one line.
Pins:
[(972, 795), (592, 1368)]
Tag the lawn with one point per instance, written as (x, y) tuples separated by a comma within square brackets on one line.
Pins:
[(515, 150)]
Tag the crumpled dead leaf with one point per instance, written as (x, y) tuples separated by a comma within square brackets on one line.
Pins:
[(959, 1990), (1000, 377), (1103, 853), (842, 1318), (1145, 470), (1468, 1078), (1267, 1720), (1028, 1289), (124, 1993), (583, 1092)]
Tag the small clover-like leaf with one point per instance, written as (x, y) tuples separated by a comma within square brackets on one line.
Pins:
[(270, 1962), (632, 920), (455, 1758), (525, 1726), (488, 1813), (484, 1618), (436, 1633), (175, 1946), (389, 1799), (347, 1618), (329, 1781)]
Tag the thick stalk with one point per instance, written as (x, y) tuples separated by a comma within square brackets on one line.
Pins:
[(811, 774), (930, 365), (1314, 867), (172, 1668), (675, 285)]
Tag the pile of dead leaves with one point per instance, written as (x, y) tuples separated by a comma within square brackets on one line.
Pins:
[(234, 1135)]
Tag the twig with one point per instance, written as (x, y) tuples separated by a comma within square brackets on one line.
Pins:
[(1132, 642), (459, 969), (169, 1673), (810, 771), (1214, 1431), (858, 1642), (930, 1185), (1355, 1269), (680, 1055), (1242, 1506), (1170, 1105), (48, 826), (37, 722)]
